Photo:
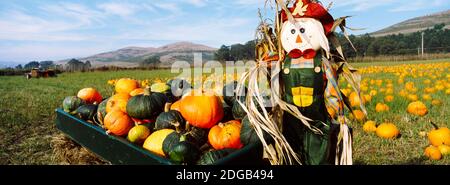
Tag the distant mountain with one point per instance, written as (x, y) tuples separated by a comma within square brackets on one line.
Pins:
[(6, 64), (416, 24), (132, 56)]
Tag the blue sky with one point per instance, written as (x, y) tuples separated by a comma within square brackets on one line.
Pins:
[(60, 29)]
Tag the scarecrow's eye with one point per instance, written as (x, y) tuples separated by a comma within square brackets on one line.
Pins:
[(302, 30), (293, 31)]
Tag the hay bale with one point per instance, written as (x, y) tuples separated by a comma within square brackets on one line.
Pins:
[(67, 152)]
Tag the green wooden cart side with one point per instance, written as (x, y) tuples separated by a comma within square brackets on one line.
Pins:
[(118, 150)]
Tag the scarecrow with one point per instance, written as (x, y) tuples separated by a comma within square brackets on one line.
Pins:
[(306, 122)]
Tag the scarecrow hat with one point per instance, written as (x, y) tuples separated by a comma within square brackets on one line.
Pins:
[(308, 9)]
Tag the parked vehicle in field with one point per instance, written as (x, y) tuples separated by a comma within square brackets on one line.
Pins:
[(38, 73)]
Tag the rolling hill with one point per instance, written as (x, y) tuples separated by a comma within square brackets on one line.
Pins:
[(416, 24), (132, 56)]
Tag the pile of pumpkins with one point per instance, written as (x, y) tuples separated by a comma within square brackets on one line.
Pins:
[(169, 119), (439, 139)]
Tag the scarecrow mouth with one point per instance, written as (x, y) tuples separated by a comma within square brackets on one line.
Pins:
[(308, 54)]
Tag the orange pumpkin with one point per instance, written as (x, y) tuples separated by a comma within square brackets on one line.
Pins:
[(370, 126), (355, 100), (176, 106), (201, 110), (433, 152), (417, 108), (226, 135), (126, 85), (439, 136), (387, 131), (118, 123), (389, 98), (90, 95), (118, 102), (358, 115), (381, 107), (137, 91)]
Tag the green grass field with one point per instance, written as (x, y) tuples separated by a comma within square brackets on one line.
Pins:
[(27, 115)]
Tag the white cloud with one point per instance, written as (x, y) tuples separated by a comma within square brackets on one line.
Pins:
[(171, 7), (120, 9), (198, 3)]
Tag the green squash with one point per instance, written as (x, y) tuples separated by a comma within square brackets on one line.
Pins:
[(229, 93), (184, 152), (169, 119), (196, 136), (237, 111), (248, 133), (101, 110), (71, 103), (86, 112), (213, 156), (147, 105), (227, 113)]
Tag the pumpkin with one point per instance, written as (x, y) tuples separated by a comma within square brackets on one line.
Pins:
[(154, 142), (203, 111), (160, 87), (387, 131), (147, 105), (118, 102), (86, 112), (417, 108), (101, 110), (213, 156), (439, 137), (171, 119), (138, 134), (196, 136), (229, 93), (433, 153), (389, 98), (237, 111), (444, 149), (412, 97), (90, 95), (137, 91), (226, 135), (179, 87), (426, 97), (176, 106), (71, 103), (118, 123), (126, 85), (185, 152), (355, 100), (381, 107), (436, 102), (370, 126), (248, 134), (358, 115), (180, 149)]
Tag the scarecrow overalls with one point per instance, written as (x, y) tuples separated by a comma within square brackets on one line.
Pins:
[(304, 86)]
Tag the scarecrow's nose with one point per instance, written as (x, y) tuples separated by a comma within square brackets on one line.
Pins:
[(299, 39)]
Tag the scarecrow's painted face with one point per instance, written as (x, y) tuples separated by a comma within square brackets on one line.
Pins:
[(306, 33)]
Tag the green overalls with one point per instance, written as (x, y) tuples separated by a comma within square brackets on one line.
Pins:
[(304, 86)]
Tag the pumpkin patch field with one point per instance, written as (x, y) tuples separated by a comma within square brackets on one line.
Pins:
[(407, 121)]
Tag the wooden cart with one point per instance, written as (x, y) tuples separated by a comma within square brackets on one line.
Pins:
[(118, 150)]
